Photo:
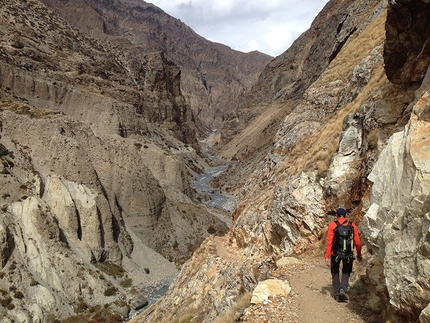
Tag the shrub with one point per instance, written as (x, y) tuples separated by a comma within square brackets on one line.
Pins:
[(110, 268), (111, 291), (82, 307), (175, 245), (3, 150), (6, 301), (18, 294), (211, 230), (126, 283), (5, 171)]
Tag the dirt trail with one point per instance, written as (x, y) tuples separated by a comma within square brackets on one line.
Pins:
[(311, 299), (315, 297)]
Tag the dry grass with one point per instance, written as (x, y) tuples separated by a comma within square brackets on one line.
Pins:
[(256, 135), (23, 108), (355, 51), (189, 316), (315, 152)]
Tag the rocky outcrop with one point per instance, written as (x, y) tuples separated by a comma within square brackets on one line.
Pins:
[(269, 288), (75, 192), (206, 67), (284, 86), (287, 77), (407, 50), (349, 138), (397, 223), (283, 206), (126, 90)]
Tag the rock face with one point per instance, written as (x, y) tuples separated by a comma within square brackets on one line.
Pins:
[(98, 151), (98, 156), (206, 67), (397, 224), (347, 137), (406, 50)]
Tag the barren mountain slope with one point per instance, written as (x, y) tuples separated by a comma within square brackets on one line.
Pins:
[(249, 133), (350, 138), (214, 77), (98, 154)]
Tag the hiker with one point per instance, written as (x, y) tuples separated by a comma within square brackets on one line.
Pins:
[(342, 236)]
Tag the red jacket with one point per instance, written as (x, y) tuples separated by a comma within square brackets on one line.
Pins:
[(330, 237)]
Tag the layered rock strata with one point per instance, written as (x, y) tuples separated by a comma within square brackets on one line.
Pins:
[(349, 137), (206, 67), (98, 155)]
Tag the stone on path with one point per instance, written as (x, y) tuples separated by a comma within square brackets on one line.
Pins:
[(270, 287)]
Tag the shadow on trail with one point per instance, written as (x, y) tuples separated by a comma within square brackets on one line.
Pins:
[(357, 302)]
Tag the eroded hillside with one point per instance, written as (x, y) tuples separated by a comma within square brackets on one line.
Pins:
[(206, 67), (98, 153), (339, 119)]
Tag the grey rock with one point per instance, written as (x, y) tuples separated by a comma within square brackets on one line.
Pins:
[(139, 302)]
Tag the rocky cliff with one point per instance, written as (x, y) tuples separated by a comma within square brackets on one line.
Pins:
[(345, 124), (206, 67), (397, 221), (98, 153)]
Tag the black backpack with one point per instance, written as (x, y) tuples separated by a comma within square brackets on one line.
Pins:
[(343, 240)]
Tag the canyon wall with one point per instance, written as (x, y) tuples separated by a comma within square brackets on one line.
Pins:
[(353, 135), (98, 153), (206, 67)]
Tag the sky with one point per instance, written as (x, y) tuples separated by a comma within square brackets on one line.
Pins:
[(269, 26)]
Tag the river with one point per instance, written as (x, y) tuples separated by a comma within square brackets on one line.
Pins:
[(217, 200)]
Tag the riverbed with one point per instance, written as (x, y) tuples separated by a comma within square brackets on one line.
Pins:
[(217, 200)]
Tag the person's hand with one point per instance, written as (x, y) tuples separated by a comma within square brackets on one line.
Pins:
[(327, 262)]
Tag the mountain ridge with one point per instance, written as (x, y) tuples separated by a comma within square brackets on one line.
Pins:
[(205, 66), (349, 140)]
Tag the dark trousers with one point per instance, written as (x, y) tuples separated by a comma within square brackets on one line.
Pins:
[(346, 272)]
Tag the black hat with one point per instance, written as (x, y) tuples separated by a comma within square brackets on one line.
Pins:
[(340, 212)]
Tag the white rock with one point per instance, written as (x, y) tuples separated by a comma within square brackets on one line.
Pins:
[(270, 287)]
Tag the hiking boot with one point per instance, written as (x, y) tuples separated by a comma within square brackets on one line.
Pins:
[(336, 298), (342, 296)]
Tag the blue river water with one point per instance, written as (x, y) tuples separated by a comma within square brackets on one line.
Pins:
[(217, 201)]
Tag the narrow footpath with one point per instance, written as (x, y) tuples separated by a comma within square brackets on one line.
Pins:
[(311, 299)]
